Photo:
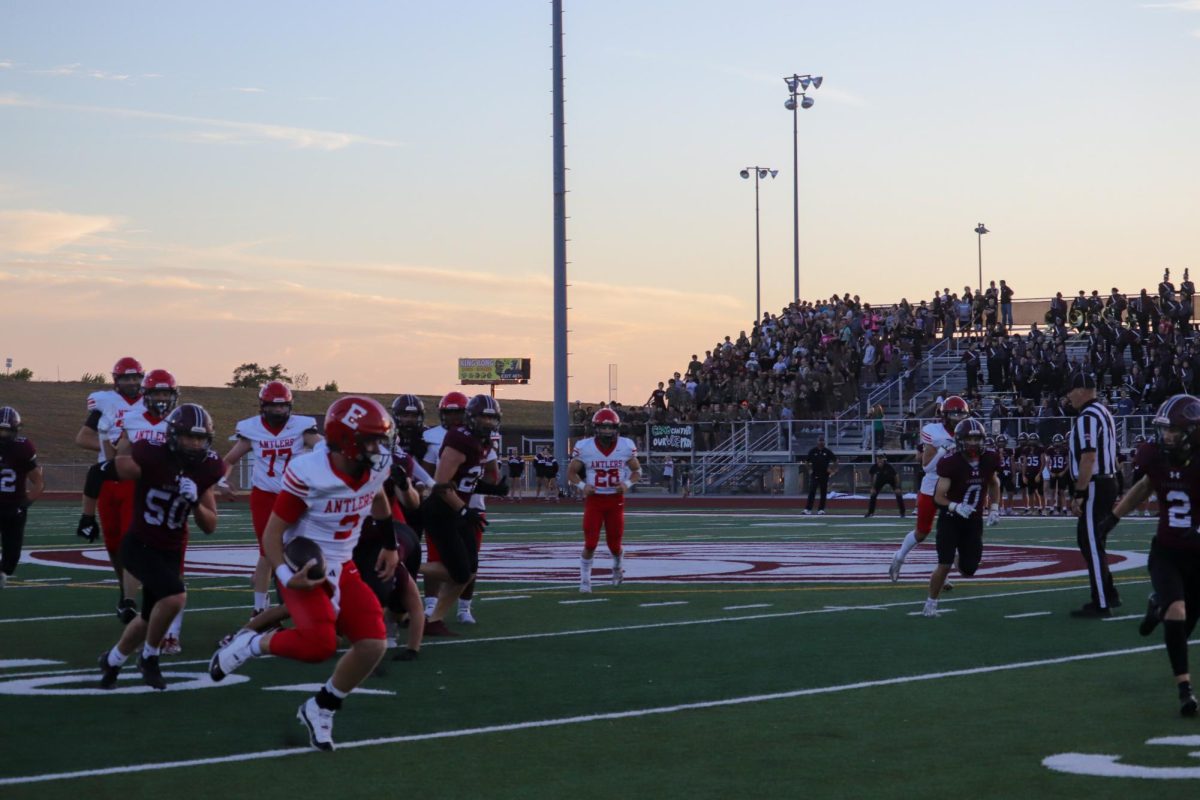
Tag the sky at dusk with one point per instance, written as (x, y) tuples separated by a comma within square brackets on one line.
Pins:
[(362, 191)]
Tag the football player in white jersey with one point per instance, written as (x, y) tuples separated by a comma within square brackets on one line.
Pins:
[(115, 506), (275, 436), (609, 466), (937, 441), (326, 496)]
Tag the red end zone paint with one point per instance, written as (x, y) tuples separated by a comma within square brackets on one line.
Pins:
[(690, 562)]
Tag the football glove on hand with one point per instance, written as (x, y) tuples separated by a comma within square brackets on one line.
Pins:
[(472, 517), (962, 509), (400, 476), (87, 527), (993, 515), (188, 489)]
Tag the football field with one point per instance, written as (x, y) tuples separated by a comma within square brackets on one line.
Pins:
[(749, 652)]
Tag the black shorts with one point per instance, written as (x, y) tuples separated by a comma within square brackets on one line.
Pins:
[(963, 537), (1033, 481), (159, 571), (1175, 575), (1006, 482), (878, 487), (454, 541), (1062, 483), (516, 470), (12, 536)]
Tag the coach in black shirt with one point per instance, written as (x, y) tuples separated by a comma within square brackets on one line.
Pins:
[(821, 458), (1093, 462)]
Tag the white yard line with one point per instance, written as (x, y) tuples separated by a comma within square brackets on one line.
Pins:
[(659, 605), (506, 597), (1029, 614), (635, 713), (751, 605), (1116, 619), (577, 602)]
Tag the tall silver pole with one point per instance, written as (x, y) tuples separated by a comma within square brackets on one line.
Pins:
[(757, 257), (561, 417), (795, 202), (980, 262)]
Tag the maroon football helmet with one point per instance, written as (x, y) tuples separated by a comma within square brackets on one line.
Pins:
[(1178, 426), (351, 424), (968, 437), (189, 419), (483, 416)]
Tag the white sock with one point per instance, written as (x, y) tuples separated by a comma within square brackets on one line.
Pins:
[(115, 657), (910, 541), (176, 626), (261, 600), (148, 651), (464, 605), (333, 690), (585, 569), (430, 605)]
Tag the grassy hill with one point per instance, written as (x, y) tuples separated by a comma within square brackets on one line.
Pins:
[(51, 413)]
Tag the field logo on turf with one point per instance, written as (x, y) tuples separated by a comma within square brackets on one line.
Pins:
[(684, 562), (1107, 766)]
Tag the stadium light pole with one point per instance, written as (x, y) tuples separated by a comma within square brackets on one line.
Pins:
[(763, 173), (798, 86), (561, 416), (981, 230)]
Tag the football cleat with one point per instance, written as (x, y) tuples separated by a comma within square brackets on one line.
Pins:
[(127, 610), (108, 673), (151, 674), (407, 654), (437, 628), (807, 512), (618, 575), (1187, 702), (821, 512), (319, 722), (585, 586), (465, 617), (930, 609), (1152, 618), (894, 569), (232, 656), (171, 646), (868, 515), (947, 586)]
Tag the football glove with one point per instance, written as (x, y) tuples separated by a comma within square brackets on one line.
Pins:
[(472, 517), (188, 489), (962, 509), (87, 527), (400, 476), (993, 515)]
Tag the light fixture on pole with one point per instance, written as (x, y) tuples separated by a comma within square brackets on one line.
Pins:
[(981, 230), (798, 88), (759, 173)]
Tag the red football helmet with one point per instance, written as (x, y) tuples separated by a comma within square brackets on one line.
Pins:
[(159, 392), (352, 423), (607, 424), (453, 402), (128, 366), (968, 437), (275, 402), (1178, 426), (954, 410)]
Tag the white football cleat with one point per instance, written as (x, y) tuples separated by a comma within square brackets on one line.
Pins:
[(618, 575), (930, 609), (465, 616), (319, 722), (585, 586), (229, 658), (894, 569), (171, 646)]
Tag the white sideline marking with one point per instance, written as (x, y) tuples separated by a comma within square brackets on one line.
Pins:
[(751, 605), (658, 605), (1127, 616), (577, 602), (575, 720), (507, 597), (15, 663), (43, 580), (1029, 614), (939, 612), (107, 614), (316, 687), (856, 608)]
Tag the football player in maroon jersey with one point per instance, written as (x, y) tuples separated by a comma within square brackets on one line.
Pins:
[(174, 481), (1170, 471), (966, 479), (21, 483)]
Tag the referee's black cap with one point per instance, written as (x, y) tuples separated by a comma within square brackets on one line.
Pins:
[(1081, 380)]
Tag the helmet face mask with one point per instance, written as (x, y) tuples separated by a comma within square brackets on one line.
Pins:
[(190, 433), (360, 430), (452, 410), (275, 403), (969, 437), (954, 410), (607, 425), (159, 392), (482, 417)]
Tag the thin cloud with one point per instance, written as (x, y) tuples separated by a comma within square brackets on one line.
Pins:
[(6, 65), (34, 231), (249, 89), (1180, 5), (78, 69), (228, 131)]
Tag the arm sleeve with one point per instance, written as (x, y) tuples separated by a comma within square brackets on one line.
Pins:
[(93, 419)]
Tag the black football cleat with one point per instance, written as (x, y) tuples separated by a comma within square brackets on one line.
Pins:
[(407, 654), (151, 674), (1090, 611), (1152, 618), (108, 673), (1187, 702)]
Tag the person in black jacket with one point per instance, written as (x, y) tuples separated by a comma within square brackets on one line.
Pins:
[(884, 474), (821, 458)]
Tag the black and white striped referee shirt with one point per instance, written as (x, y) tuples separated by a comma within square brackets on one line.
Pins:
[(1094, 430)]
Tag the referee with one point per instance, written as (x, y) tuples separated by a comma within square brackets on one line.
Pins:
[(1093, 454)]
